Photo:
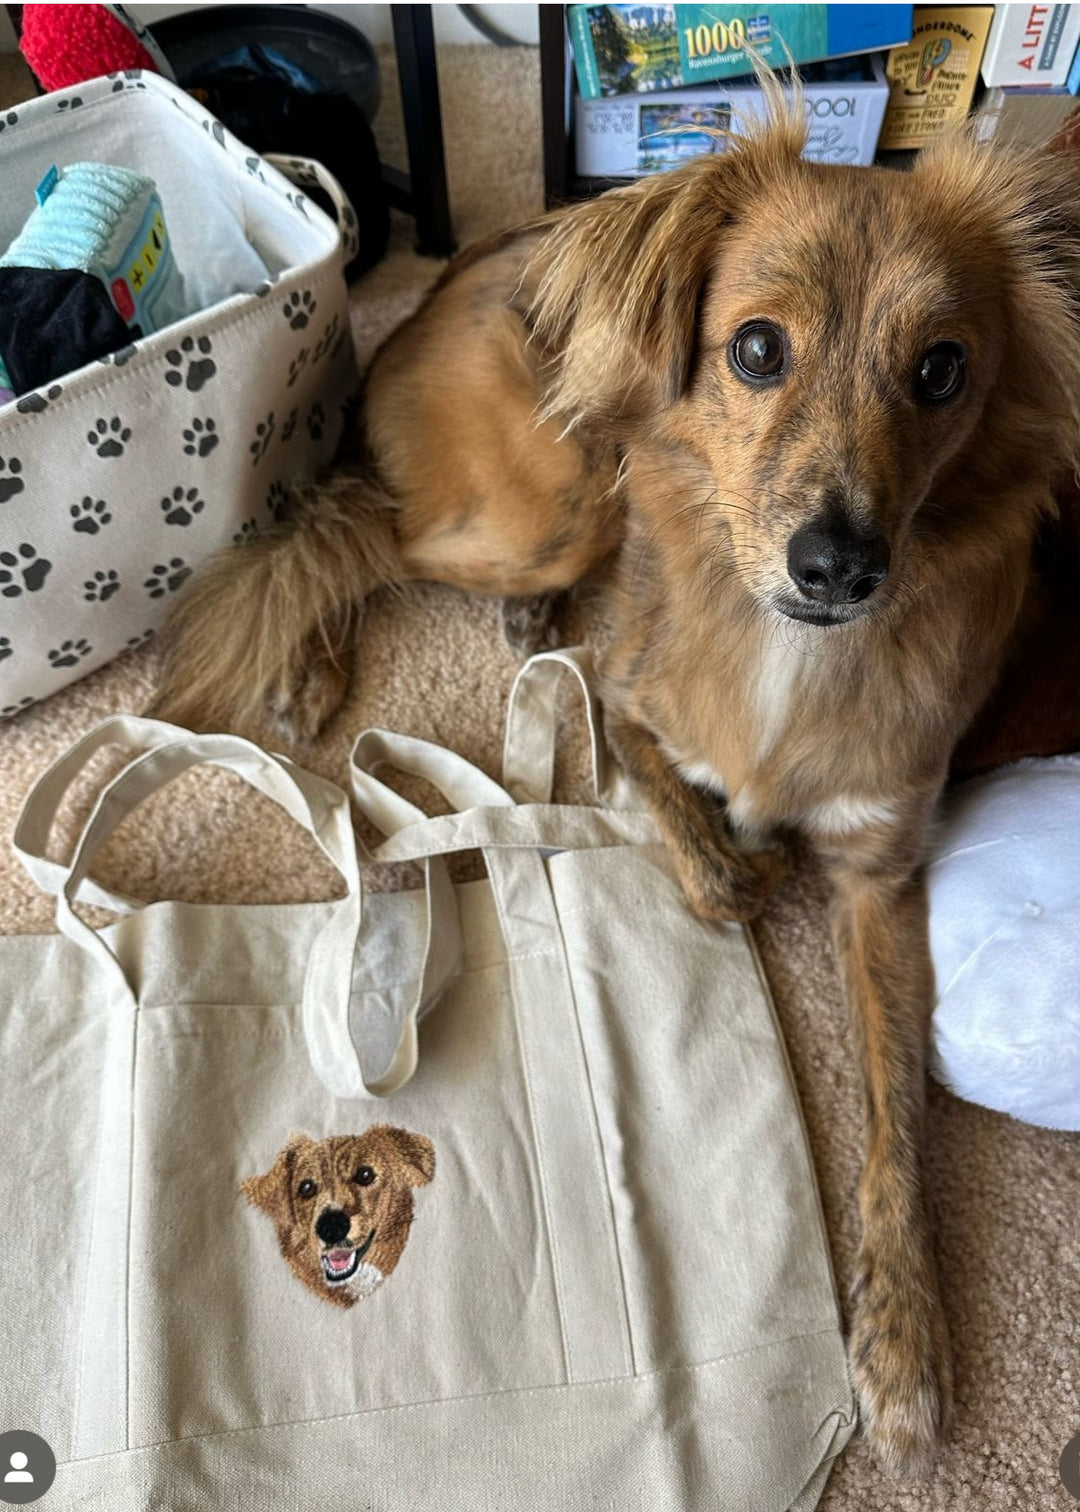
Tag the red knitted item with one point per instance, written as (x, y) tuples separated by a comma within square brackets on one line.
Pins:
[(68, 44)]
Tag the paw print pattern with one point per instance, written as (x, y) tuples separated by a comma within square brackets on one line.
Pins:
[(167, 577), (297, 365), (191, 364), (349, 233), (277, 501), (216, 130), (10, 118), (247, 532), (72, 104), (201, 439), (6, 648), (289, 428), (302, 172), (298, 202), (338, 344), (299, 308), (325, 340), (69, 653), (89, 516), (315, 422), (100, 588), (254, 167), (24, 563), (10, 481), (180, 507), (33, 404), (140, 640), (9, 711), (109, 437), (263, 433)]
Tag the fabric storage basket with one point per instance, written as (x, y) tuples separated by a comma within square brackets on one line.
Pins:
[(116, 480), (605, 1282)]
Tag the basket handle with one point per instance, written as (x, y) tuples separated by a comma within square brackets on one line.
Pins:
[(305, 171)]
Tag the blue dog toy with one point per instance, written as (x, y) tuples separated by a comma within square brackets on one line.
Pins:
[(95, 252)]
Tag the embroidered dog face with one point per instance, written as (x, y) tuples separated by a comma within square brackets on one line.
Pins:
[(343, 1206)]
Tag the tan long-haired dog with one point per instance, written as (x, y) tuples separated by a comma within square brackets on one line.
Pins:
[(821, 412)]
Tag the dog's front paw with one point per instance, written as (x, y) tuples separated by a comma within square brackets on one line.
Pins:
[(900, 1361), (727, 886)]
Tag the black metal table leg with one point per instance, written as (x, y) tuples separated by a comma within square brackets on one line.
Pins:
[(414, 38), (553, 101)]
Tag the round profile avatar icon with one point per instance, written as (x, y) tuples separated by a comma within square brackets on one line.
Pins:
[(1069, 1467), (27, 1467)]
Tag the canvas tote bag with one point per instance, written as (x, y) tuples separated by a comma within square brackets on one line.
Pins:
[(604, 1279)]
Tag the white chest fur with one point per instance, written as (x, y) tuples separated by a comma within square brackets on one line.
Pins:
[(783, 673), (699, 774), (784, 666)]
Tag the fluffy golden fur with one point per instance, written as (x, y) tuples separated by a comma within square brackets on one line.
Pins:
[(571, 389), (343, 1206)]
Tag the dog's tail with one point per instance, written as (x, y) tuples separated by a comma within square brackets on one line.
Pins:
[(243, 634)]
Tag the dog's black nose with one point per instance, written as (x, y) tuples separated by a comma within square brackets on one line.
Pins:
[(830, 562), (333, 1226)]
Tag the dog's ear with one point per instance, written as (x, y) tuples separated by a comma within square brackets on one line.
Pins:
[(271, 1193), (416, 1153), (615, 285), (1033, 238)]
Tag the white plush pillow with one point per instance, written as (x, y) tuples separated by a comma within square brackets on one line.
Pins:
[(1004, 886)]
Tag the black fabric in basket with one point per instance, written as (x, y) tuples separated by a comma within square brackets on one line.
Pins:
[(53, 321)]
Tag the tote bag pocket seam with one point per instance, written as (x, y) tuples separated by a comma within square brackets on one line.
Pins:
[(796, 1100), (88, 1279), (215, 1005), (480, 1396), (526, 1070), (598, 1141), (558, 952)]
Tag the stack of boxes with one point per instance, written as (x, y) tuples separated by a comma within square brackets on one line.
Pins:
[(1032, 70), (659, 84)]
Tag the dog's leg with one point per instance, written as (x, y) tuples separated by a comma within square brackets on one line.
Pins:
[(721, 882), (899, 1344), (300, 709), (530, 622)]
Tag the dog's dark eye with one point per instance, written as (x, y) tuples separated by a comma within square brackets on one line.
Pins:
[(941, 373), (306, 1189), (758, 352), (364, 1176)]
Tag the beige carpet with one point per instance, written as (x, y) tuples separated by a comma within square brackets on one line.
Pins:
[(1007, 1197)]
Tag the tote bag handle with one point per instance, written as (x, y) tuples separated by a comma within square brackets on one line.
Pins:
[(161, 752), (519, 813), (486, 816), (532, 728)]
